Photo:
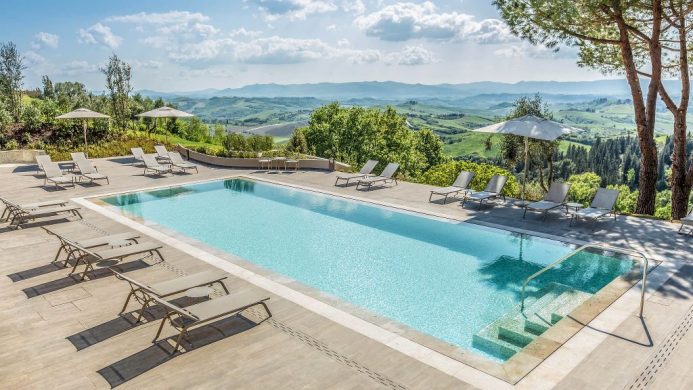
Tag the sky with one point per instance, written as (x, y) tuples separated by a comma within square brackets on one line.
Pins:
[(178, 45)]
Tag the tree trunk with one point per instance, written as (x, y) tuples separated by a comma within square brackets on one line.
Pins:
[(644, 110), (680, 186)]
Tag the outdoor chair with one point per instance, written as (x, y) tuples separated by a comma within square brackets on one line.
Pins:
[(461, 184), (10, 207), (387, 175), (553, 199), (70, 244), (183, 319), (178, 162), (91, 257), (20, 215), (493, 190), (55, 175), (144, 293), (602, 205), (365, 171), (89, 172), (151, 165), (162, 153)]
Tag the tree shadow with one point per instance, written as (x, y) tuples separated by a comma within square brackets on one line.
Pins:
[(648, 343), (74, 279), (123, 160), (44, 222), (159, 353), (125, 322)]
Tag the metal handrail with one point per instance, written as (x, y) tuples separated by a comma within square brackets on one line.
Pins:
[(646, 265)]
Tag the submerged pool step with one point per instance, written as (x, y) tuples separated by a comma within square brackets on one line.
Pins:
[(513, 331)]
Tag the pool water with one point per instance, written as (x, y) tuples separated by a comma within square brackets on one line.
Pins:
[(443, 278)]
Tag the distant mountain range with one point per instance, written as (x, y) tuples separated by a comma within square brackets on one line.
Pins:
[(398, 91)]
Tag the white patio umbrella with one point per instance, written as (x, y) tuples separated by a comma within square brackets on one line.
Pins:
[(530, 126), (85, 115), (164, 112)]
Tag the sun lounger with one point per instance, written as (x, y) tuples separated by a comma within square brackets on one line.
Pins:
[(602, 205), (178, 162), (162, 153), (555, 198), (55, 175), (79, 156), (20, 215), (493, 189), (41, 160), (183, 319), (461, 184), (365, 171), (137, 155), (387, 175), (686, 221), (72, 244), (89, 172), (91, 257), (143, 293), (7, 213), (151, 165)]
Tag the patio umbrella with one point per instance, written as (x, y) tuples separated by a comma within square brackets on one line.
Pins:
[(530, 126), (84, 114), (164, 112)]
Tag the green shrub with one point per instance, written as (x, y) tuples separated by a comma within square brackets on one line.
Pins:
[(583, 187), (107, 148), (444, 175), (12, 144)]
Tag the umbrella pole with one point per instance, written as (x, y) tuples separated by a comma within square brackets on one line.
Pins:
[(84, 129), (524, 176)]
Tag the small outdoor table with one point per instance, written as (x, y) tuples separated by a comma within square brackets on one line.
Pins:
[(573, 205), (291, 163)]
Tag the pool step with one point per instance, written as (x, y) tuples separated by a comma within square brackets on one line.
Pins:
[(513, 331)]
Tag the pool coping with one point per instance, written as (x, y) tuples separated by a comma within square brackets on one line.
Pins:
[(455, 361)]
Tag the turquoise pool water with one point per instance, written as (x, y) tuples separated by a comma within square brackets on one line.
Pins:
[(445, 279)]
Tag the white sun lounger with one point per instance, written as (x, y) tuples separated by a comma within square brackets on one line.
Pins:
[(162, 153), (461, 184), (387, 175), (55, 175), (137, 155), (151, 165), (493, 190), (602, 205), (143, 293), (553, 199), (41, 160), (19, 215), (178, 162), (365, 171), (10, 207), (89, 172)]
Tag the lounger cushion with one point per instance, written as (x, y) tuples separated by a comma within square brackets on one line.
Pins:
[(448, 190), (104, 240), (345, 176), (543, 205), (177, 285), (482, 195), (60, 179), (592, 212), (374, 179), (95, 176), (135, 249), (218, 306), (49, 210)]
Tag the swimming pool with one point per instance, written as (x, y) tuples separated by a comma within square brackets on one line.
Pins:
[(447, 279)]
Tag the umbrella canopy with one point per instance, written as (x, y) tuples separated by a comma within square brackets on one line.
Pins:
[(164, 112), (530, 126), (84, 114)]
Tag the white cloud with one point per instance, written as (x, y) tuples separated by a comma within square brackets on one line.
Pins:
[(44, 39), (354, 6), (332, 27), (171, 17), (146, 64), (78, 68), (411, 55), (206, 50), (32, 58), (404, 21), (301, 9), (242, 32), (99, 34), (277, 50)]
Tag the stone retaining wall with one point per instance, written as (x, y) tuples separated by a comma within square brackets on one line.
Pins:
[(20, 156), (309, 163)]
